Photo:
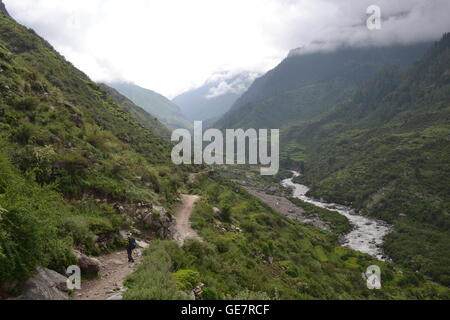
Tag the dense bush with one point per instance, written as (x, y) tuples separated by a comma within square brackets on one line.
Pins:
[(154, 279)]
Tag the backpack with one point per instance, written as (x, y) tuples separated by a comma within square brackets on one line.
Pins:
[(132, 244)]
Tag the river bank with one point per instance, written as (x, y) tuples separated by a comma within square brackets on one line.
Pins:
[(367, 235)]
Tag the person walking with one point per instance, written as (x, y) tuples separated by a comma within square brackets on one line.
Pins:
[(131, 245)]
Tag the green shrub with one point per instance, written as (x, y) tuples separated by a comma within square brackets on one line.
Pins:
[(153, 279), (223, 245), (29, 103), (187, 280), (23, 133), (30, 235), (210, 294), (199, 250)]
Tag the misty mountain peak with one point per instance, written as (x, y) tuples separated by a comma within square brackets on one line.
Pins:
[(3, 8)]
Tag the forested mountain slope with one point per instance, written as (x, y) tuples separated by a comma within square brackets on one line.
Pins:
[(63, 144), (155, 104), (306, 85), (147, 120), (386, 151)]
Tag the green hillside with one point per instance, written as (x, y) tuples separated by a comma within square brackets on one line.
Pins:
[(64, 143), (137, 112), (251, 252), (155, 104), (386, 151)]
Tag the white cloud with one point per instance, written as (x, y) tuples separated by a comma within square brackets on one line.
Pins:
[(230, 82), (173, 45)]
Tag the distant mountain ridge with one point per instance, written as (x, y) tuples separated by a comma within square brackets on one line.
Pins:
[(304, 86), (154, 103), (214, 98)]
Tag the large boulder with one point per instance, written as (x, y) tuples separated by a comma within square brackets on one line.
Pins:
[(88, 265), (162, 223), (45, 285)]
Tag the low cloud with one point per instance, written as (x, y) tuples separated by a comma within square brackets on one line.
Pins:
[(230, 82), (174, 45), (344, 24)]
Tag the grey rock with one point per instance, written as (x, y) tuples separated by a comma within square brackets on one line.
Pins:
[(159, 209), (123, 234), (45, 285), (88, 265)]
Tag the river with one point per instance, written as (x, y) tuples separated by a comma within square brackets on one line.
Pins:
[(367, 234)]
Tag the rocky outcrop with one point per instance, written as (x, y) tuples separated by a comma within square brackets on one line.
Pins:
[(161, 222), (45, 285), (88, 265)]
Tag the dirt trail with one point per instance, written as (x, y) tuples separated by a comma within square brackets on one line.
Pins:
[(115, 267), (114, 270), (183, 214)]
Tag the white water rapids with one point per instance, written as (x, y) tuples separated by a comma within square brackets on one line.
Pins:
[(367, 234)]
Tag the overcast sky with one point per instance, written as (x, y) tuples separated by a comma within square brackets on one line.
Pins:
[(173, 45)]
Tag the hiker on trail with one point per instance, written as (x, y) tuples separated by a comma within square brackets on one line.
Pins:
[(131, 245)]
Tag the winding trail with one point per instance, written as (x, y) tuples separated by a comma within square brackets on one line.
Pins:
[(183, 214), (114, 269)]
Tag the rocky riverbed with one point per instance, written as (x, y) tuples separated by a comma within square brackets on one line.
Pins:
[(367, 234)]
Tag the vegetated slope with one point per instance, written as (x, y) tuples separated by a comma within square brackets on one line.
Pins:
[(147, 120), (387, 152), (306, 85), (155, 104), (251, 252), (215, 97), (65, 143)]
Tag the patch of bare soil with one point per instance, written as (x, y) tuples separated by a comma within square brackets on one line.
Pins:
[(114, 269), (183, 214)]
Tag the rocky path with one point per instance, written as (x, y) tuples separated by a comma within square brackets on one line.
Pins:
[(113, 272), (115, 267), (183, 214)]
